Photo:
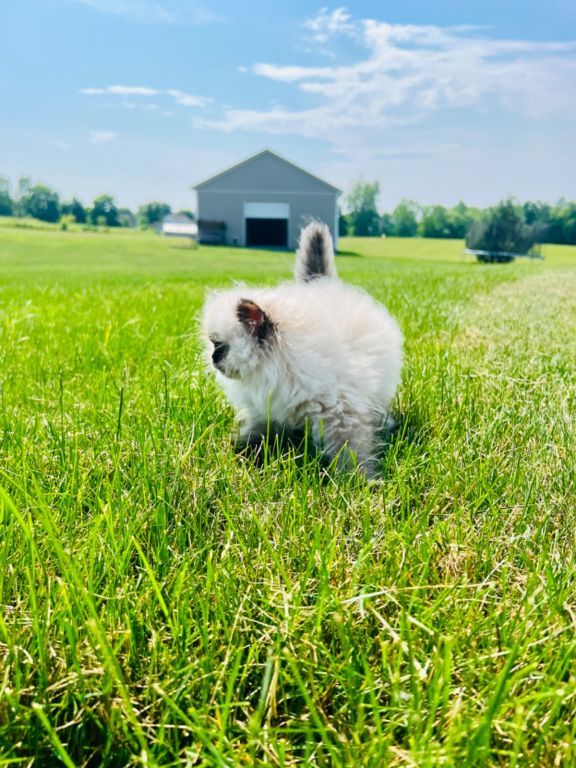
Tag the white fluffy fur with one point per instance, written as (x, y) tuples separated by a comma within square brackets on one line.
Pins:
[(333, 361)]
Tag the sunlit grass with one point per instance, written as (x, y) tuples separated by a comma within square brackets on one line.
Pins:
[(167, 603)]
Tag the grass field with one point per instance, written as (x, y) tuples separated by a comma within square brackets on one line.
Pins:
[(166, 603)]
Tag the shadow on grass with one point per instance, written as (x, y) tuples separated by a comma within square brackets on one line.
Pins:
[(184, 246), (353, 254), (401, 437), (274, 441), (407, 436)]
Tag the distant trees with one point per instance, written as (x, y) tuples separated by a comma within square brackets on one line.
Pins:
[(438, 221), (104, 212), (185, 212), (386, 224), (545, 222), (533, 219), (152, 213), (23, 186), (41, 202), (531, 222), (405, 219), (343, 226), (559, 221), (76, 210), (363, 217), (503, 230), (6, 203), (126, 218)]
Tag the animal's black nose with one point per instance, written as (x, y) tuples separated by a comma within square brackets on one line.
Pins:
[(220, 351)]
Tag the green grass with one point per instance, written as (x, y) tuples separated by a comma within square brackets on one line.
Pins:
[(166, 603)]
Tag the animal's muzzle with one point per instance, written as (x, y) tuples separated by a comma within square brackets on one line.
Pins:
[(219, 353)]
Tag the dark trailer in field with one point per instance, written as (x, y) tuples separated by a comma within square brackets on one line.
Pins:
[(504, 257), (502, 235)]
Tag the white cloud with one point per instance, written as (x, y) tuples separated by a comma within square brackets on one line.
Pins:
[(180, 97), (120, 90), (130, 90), (100, 137), (155, 11), (187, 99), (404, 73), (327, 24), (292, 74)]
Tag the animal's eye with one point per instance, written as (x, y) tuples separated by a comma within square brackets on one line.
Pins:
[(219, 352)]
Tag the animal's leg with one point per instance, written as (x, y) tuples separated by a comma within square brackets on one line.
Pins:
[(253, 437), (349, 438)]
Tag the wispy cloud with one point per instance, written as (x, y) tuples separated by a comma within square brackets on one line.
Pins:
[(179, 97), (143, 106), (187, 99), (156, 11), (120, 90), (327, 24), (101, 137), (403, 73)]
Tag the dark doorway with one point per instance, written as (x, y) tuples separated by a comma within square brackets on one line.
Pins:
[(272, 232)]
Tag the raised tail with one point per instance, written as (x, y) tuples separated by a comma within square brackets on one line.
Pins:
[(315, 254)]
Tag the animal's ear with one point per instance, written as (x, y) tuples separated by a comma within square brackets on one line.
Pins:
[(254, 319)]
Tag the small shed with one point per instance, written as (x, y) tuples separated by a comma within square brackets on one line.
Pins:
[(264, 201), (178, 225)]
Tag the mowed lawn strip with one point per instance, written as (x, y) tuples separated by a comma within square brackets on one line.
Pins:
[(165, 602)]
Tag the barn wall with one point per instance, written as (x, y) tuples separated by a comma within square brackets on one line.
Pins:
[(220, 206), (229, 207), (304, 208)]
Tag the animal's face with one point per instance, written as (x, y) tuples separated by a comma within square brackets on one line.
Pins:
[(220, 350), (238, 332)]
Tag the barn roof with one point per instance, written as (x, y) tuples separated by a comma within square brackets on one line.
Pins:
[(263, 152)]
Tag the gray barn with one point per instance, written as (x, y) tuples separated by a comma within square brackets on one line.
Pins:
[(265, 201)]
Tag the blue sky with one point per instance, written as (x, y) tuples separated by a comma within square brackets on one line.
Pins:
[(438, 101)]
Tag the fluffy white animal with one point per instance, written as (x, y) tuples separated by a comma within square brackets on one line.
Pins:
[(316, 353)]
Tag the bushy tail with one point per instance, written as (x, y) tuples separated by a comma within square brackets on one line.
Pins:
[(315, 254)]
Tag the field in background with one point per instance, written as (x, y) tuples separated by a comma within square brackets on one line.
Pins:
[(166, 603)]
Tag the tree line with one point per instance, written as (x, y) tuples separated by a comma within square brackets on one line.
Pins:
[(545, 222), (39, 201)]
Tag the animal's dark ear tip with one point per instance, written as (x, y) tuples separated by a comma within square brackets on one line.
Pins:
[(254, 319), (249, 312)]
